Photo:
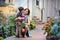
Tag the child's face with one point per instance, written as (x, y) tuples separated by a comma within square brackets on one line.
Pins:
[(22, 11)]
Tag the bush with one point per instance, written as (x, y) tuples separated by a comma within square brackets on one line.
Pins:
[(12, 24), (32, 25), (1, 38), (12, 20), (9, 30), (47, 27), (52, 28)]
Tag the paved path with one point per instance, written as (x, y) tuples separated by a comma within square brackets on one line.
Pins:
[(37, 34)]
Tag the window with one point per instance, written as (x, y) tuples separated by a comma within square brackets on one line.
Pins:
[(37, 2), (3, 0), (0, 0), (59, 12), (9, 1)]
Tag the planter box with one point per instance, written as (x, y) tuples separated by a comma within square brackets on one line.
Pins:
[(52, 38)]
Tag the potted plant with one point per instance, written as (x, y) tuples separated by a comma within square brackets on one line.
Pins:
[(52, 28), (32, 25), (47, 27)]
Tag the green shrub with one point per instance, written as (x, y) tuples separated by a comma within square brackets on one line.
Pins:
[(32, 25), (1, 38), (13, 32), (6, 30), (12, 20), (12, 24), (47, 27)]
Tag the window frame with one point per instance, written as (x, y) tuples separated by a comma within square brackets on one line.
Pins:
[(3, 0), (37, 2), (59, 12)]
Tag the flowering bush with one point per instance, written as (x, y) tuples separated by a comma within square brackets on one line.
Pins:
[(47, 27), (52, 28)]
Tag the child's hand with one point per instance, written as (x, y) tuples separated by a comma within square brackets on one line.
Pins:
[(22, 18), (16, 19), (19, 17)]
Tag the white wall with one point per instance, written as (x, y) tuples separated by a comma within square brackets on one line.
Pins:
[(30, 7), (51, 8), (19, 3), (59, 3), (36, 10)]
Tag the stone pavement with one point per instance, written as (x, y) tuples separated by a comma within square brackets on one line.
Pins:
[(37, 34)]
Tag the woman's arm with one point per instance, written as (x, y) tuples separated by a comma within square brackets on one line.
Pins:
[(28, 20)]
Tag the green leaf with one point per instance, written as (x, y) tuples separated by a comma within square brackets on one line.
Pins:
[(1, 38)]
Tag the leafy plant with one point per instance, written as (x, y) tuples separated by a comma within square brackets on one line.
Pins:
[(13, 32), (55, 30), (32, 25), (50, 25), (1, 38), (2, 19), (6, 30), (59, 21), (47, 27), (12, 20), (12, 24)]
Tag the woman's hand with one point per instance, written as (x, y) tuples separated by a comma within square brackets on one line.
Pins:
[(27, 24)]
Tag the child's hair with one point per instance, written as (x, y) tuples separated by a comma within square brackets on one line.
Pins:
[(20, 13), (28, 11), (20, 9)]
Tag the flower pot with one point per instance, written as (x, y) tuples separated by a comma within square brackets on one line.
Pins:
[(52, 38)]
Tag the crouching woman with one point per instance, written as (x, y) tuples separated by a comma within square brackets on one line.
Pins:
[(27, 21)]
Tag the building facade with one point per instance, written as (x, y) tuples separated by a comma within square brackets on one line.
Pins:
[(44, 8), (7, 7)]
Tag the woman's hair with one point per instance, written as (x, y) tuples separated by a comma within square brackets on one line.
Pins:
[(20, 9), (28, 11)]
